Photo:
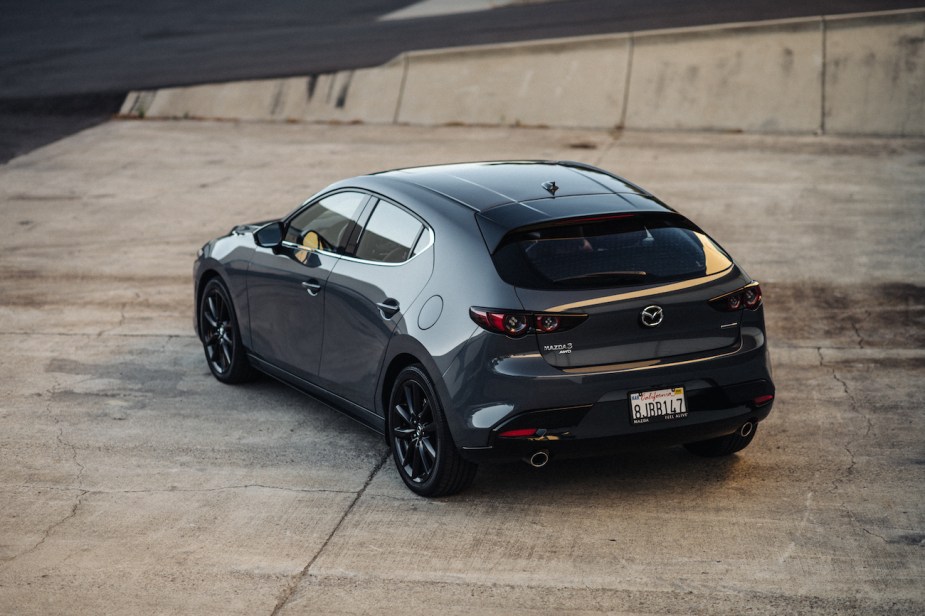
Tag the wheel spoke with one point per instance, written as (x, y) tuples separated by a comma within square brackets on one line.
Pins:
[(418, 403), (430, 450), (210, 319), (425, 414), (403, 413), (404, 434), (408, 390), (212, 311), (415, 454), (405, 453), (426, 460), (226, 353)]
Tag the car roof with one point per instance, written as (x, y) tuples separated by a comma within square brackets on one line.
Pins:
[(482, 186), (507, 195)]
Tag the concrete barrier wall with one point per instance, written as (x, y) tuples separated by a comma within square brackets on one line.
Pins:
[(875, 75), (762, 79), (579, 82), (859, 75)]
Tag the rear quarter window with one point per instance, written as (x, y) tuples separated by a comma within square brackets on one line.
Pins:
[(610, 251)]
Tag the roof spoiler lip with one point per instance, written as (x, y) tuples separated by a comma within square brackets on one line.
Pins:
[(493, 233)]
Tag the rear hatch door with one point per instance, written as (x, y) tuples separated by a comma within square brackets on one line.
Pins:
[(644, 280)]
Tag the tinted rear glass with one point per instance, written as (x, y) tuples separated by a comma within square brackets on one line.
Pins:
[(607, 252)]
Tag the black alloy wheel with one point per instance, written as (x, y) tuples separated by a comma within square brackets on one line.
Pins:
[(221, 340), (422, 447)]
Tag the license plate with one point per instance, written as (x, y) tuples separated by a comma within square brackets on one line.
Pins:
[(657, 405)]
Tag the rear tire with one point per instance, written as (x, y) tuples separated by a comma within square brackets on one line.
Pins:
[(220, 335), (721, 446), (420, 440)]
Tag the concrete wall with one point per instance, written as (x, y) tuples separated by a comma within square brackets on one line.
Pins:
[(875, 75), (764, 79), (578, 82), (859, 75)]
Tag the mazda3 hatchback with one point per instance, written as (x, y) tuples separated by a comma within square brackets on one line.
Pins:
[(494, 311)]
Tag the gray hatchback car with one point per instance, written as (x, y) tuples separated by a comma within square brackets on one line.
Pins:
[(494, 311)]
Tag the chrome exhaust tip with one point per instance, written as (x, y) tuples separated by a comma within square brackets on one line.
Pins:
[(539, 459), (747, 428)]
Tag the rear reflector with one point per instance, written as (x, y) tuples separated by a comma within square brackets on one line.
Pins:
[(518, 433), (762, 400)]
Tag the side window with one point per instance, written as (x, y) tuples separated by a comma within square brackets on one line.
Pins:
[(390, 235), (326, 224)]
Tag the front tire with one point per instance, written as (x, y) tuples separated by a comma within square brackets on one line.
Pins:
[(423, 450), (220, 335)]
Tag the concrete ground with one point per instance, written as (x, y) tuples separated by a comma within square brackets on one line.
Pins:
[(132, 482)]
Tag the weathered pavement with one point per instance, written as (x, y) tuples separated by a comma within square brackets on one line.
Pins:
[(132, 482)]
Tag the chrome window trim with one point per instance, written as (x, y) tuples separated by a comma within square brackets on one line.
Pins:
[(335, 255)]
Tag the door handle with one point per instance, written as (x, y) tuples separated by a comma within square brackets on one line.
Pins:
[(312, 287), (388, 308)]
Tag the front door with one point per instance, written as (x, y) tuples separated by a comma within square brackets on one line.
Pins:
[(286, 285)]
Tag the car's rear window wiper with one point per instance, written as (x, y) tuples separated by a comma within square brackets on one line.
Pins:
[(617, 274)]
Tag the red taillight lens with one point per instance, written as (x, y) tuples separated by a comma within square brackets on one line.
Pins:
[(748, 297), (547, 323), (516, 324), (752, 297)]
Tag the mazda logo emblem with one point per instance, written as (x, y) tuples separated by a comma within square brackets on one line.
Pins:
[(651, 316)]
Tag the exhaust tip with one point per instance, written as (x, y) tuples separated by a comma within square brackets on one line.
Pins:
[(539, 459), (747, 428)]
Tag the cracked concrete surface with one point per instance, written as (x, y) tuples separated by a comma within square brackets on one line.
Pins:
[(133, 482)]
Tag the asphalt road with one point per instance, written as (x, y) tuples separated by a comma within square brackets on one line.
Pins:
[(65, 65), (133, 482), (58, 47)]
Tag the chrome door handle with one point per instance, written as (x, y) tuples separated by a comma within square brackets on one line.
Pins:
[(388, 308), (312, 287)]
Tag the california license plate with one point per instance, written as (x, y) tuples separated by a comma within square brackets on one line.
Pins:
[(657, 405)]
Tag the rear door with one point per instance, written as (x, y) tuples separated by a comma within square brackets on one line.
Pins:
[(367, 296), (644, 280)]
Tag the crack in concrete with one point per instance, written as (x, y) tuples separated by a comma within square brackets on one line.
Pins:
[(97, 335), (78, 479), (305, 571), (857, 331), (180, 490), (855, 406), (122, 317), (48, 531)]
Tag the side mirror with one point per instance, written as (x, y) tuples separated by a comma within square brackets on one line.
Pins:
[(269, 235)]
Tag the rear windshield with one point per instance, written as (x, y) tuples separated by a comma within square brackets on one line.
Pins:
[(606, 252)]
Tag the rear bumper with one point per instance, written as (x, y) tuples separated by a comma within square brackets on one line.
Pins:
[(584, 413), (578, 442)]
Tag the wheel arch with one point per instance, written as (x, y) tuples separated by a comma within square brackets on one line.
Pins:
[(204, 278)]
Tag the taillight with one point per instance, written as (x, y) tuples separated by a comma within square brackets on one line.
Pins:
[(516, 324), (748, 297)]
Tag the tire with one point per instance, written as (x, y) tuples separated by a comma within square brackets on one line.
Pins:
[(220, 335), (423, 450), (722, 445)]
